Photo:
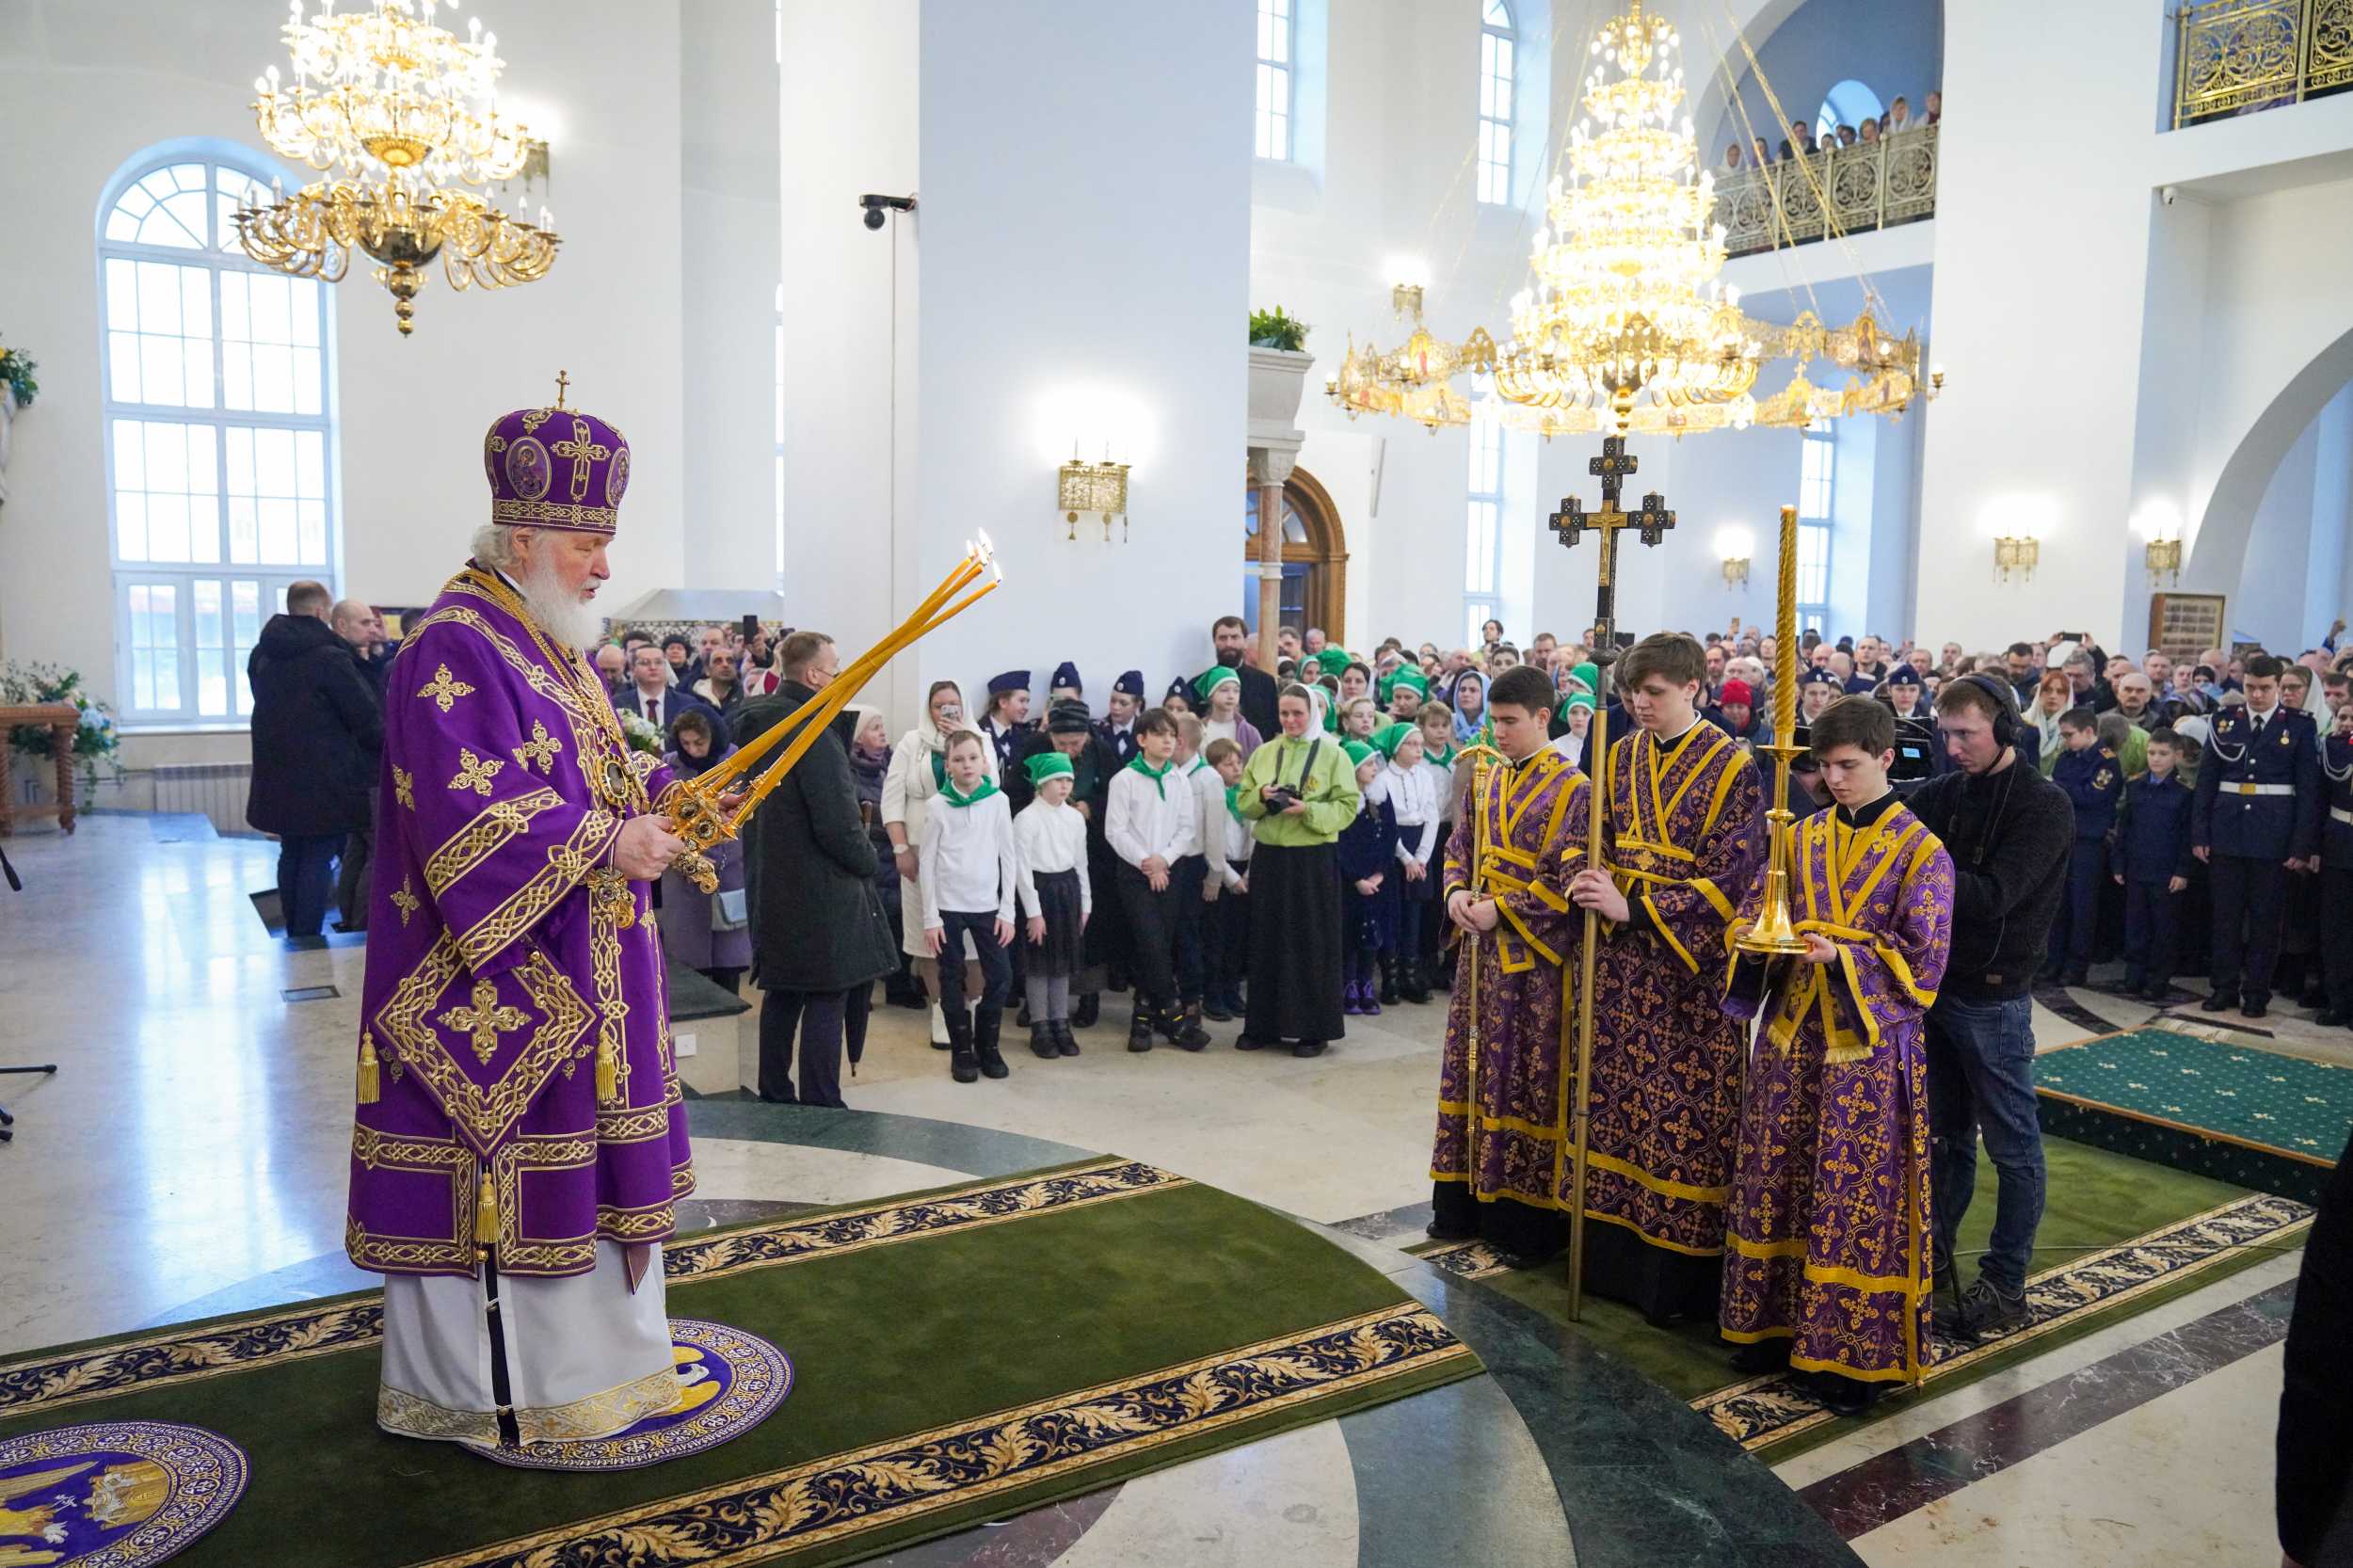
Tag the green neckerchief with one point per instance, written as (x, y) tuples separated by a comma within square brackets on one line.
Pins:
[(1198, 765), (1443, 759), (1233, 802), (1155, 774), (939, 770), (988, 788)]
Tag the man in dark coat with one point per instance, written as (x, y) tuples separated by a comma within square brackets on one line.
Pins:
[(1227, 634), (820, 940), (318, 735)]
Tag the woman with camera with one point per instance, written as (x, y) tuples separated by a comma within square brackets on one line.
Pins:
[(1299, 791)]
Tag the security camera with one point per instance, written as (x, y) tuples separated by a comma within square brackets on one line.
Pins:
[(877, 205), (2170, 194)]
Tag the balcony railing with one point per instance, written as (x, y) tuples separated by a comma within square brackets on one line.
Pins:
[(1872, 184), (2236, 56)]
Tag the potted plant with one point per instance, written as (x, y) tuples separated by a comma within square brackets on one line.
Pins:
[(1278, 369), (16, 391), (95, 739)]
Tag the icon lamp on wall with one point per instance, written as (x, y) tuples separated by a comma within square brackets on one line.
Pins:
[(1096, 488), (2159, 525), (1733, 546)]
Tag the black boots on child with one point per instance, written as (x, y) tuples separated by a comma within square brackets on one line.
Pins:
[(972, 1045)]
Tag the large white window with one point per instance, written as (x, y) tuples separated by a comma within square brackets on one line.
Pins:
[(219, 437), (1817, 485), (1278, 75), (1497, 51), (1483, 539)]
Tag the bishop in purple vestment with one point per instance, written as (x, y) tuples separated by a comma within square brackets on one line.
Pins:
[(1685, 836), (1827, 1260), (520, 1139), (1508, 867)]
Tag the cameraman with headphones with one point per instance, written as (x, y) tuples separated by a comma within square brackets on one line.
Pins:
[(2009, 831)]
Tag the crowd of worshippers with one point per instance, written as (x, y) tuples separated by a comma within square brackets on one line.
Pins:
[(1803, 141)]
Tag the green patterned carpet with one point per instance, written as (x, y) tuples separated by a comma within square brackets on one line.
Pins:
[(2253, 1117)]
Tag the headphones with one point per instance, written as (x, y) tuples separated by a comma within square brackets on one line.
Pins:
[(2005, 720)]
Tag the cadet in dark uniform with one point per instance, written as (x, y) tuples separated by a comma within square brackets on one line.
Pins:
[(1117, 730), (2153, 862), (2257, 818), (1007, 721), (2336, 870), (2095, 780)]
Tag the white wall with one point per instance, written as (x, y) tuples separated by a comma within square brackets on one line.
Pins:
[(1085, 234), (2270, 603), (89, 83)]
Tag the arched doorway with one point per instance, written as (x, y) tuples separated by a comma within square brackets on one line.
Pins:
[(1315, 559)]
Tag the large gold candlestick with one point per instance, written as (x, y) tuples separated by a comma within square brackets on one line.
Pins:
[(1773, 933)]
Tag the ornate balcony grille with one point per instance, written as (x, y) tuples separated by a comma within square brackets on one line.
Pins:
[(2236, 56), (1870, 185)]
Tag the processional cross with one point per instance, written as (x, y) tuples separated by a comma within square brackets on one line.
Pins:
[(1570, 523)]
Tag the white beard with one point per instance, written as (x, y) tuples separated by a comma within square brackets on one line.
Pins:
[(569, 620)]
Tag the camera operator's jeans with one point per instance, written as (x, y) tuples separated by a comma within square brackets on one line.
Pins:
[(1981, 1078)]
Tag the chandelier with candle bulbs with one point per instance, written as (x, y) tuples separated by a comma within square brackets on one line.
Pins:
[(1626, 328), (402, 114)]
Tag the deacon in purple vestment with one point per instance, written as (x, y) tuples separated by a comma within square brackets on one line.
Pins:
[(1519, 848), (1827, 1261), (1687, 837), (520, 1137)]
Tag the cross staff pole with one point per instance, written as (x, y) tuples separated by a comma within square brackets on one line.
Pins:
[(1570, 522)]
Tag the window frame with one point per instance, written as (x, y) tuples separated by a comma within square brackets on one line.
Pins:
[(1282, 121), (1814, 527), (272, 578), (1495, 120), (1484, 603)]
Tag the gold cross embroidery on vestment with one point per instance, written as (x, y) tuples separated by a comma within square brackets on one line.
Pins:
[(404, 787), (542, 748), (405, 897), (444, 689), (485, 1020), (476, 773)]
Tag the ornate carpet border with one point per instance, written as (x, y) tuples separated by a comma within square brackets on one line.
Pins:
[(1762, 1411), (909, 1479), (53, 1380)]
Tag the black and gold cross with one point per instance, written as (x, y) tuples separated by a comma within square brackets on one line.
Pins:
[(1572, 519)]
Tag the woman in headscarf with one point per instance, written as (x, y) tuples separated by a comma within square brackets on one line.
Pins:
[(870, 764), (918, 767), (1299, 792), (2053, 697), (1468, 697), (706, 931)]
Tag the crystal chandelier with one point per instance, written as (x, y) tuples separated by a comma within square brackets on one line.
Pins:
[(404, 114), (1626, 328)]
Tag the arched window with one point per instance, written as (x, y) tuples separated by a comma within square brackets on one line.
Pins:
[(1847, 104), (1498, 55), (218, 376), (1482, 553), (1817, 481)]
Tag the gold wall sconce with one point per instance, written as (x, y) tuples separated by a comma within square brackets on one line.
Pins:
[(1733, 547), (2017, 554), (2163, 559), (1735, 571), (1097, 487)]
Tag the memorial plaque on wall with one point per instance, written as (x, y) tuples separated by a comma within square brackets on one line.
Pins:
[(2183, 626)]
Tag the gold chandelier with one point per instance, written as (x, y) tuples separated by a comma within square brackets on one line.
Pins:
[(388, 98), (1626, 328)]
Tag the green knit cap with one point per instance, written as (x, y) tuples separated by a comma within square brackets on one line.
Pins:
[(1386, 739), (1211, 679), (1412, 677), (1050, 764), (1357, 751)]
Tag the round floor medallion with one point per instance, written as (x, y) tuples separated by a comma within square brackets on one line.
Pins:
[(114, 1493), (728, 1383)]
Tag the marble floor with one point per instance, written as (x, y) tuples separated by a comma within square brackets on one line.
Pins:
[(189, 1158)]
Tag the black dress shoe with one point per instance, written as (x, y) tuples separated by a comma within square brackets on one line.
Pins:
[(2254, 1009), (1089, 1008), (1244, 1042), (2333, 1017), (2219, 1002), (1765, 1355), (1308, 1048), (1438, 1232), (1845, 1396)]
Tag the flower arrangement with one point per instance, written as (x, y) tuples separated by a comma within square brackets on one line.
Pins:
[(96, 741), (16, 374), (642, 733)]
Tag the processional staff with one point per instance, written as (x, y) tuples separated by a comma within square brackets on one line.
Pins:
[(1570, 523)]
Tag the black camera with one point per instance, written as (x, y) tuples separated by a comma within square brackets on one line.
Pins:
[(1282, 797), (877, 205)]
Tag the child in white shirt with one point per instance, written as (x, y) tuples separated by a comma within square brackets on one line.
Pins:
[(965, 872), (1226, 835), (1049, 840), (1412, 793), (1150, 823)]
